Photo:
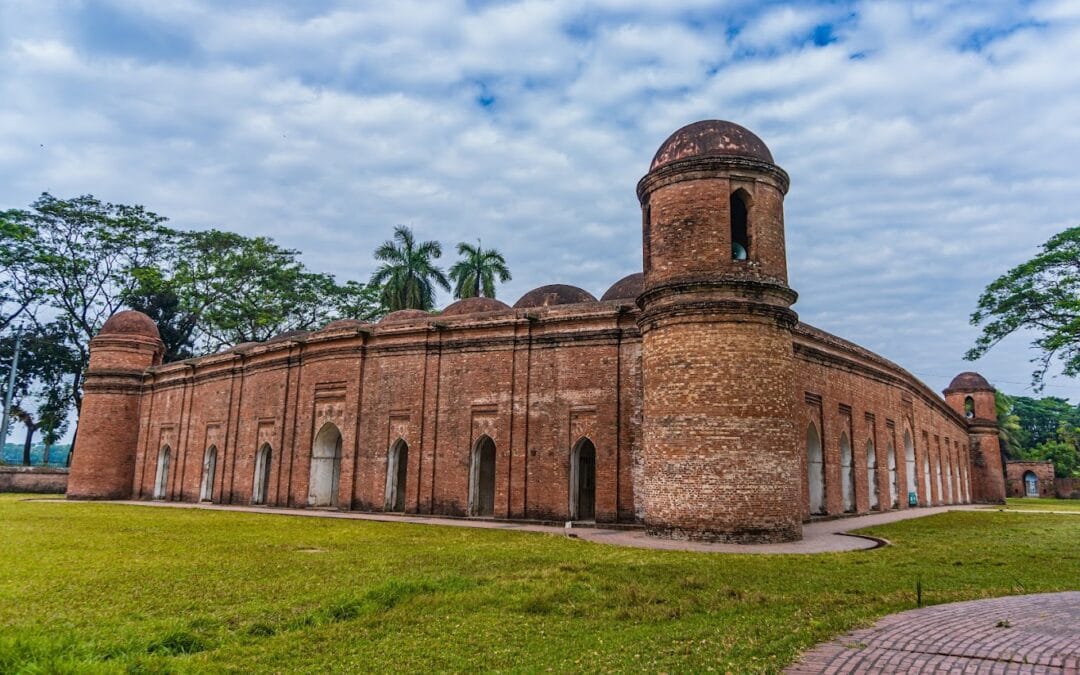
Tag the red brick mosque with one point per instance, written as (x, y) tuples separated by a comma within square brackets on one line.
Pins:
[(689, 398)]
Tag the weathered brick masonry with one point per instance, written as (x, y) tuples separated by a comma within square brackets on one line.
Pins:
[(689, 398)]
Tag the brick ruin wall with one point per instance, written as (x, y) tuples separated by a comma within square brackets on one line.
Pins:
[(534, 381), (1014, 478)]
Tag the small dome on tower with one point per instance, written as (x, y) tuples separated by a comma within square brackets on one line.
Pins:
[(627, 288), (474, 306), (970, 381), (554, 294), (711, 138), (130, 322)]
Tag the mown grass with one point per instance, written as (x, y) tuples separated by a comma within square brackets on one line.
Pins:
[(108, 588), (1044, 504)]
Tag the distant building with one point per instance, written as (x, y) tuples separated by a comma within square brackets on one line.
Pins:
[(689, 398), (1029, 479)]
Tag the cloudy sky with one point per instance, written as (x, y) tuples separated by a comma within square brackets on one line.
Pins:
[(931, 146)]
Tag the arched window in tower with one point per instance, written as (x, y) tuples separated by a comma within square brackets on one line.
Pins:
[(969, 407), (740, 225)]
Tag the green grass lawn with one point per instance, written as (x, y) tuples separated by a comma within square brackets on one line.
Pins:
[(98, 587), (1044, 504)]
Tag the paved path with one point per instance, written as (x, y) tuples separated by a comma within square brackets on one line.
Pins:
[(1019, 634), (818, 537)]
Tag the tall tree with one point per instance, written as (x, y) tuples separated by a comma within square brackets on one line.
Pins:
[(84, 258), (20, 295), (408, 274), (474, 275), (1042, 295)]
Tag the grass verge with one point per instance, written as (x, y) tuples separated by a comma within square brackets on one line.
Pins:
[(1044, 504), (108, 588)]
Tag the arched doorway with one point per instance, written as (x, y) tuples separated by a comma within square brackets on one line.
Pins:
[(583, 481), (161, 485), (937, 478), (928, 497), (815, 471), (397, 473), (1031, 484), (894, 478), (946, 460), (871, 474), (847, 473), (261, 480), (909, 466), (482, 478), (325, 467), (209, 468)]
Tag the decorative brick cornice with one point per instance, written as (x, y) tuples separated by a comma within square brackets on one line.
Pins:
[(697, 168)]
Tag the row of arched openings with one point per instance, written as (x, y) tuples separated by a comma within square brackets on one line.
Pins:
[(325, 475), (815, 474)]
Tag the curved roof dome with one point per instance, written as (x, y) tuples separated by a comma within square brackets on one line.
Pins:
[(473, 306), (554, 294), (627, 288), (405, 315), (341, 324), (290, 335), (970, 381), (711, 138), (130, 322)]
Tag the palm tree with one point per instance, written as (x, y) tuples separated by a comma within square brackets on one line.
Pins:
[(474, 275), (408, 274)]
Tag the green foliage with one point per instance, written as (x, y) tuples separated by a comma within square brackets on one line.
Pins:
[(408, 274), (1043, 295), (474, 275), (1041, 429), (208, 591)]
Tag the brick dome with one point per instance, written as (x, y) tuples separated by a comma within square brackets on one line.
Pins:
[(130, 322), (290, 335), (554, 294), (970, 381), (342, 324), (405, 315), (711, 138), (473, 306), (627, 288)]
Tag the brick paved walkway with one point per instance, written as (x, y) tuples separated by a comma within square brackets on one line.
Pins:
[(1019, 634)]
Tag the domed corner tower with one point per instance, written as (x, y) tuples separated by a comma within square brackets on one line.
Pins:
[(103, 459), (721, 457), (973, 397)]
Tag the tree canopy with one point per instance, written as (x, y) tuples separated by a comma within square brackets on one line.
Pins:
[(1042, 295), (1041, 429), (474, 275), (408, 273)]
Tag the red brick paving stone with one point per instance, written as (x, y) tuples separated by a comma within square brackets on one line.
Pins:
[(1042, 636)]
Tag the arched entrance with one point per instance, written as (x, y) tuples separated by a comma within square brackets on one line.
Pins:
[(1031, 484), (397, 473), (261, 480), (583, 481), (871, 474), (325, 467), (909, 466), (847, 473), (482, 478), (815, 471), (209, 467), (894, 478), (161, 485), (928, 498), (937, 478)]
